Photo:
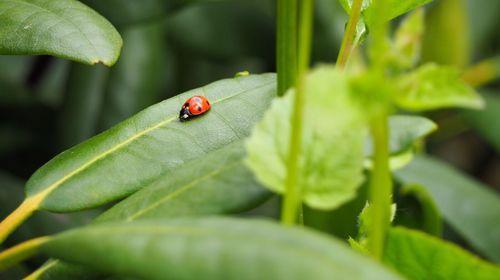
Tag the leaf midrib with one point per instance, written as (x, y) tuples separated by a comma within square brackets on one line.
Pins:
[(38, 197)]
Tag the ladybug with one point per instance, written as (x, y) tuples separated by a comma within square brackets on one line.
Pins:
[(194, 106)]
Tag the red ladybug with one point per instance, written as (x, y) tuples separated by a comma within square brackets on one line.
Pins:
[(194, 106)]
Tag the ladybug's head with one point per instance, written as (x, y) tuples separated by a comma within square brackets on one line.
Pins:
[(184, 114)]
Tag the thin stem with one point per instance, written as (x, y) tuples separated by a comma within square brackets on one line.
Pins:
[(21, 252), (347, 42), (483, 72), (380, 191), (292, 200), (23, 212), (286, 45), (380, 187)]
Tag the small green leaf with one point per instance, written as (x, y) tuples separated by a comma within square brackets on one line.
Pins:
[(420, 256), (331, 156), (64, 28), (148, 145), (365, 223), (214, 248), (405, 131), (471, 208), (435, 87), (396, 8), (408, 39), (214, 184)]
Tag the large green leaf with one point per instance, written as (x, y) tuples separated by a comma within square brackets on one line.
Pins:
[(420, 256), (132, 154), (395, 8), (215, 248), (64, 28), (331, 155), (137, 80), (434, 87), (486, 121), (470, 207), (214, 184)]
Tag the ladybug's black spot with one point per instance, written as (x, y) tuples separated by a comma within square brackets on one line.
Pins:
[(198, 108)]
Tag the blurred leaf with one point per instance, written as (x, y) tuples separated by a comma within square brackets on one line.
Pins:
[(213, 184), (13, 138), (486, 121), (432, 222), (136, 81), (405, 131), (212, 249), (395, 8), (63, 28), (408, 39), (14, 68), (331, 155), (471, 208), (420, 256), (82, 103), (224, 28), (123, 12), (148, 145), (434, 87), (446, 38), (49, 90), (483, 23)]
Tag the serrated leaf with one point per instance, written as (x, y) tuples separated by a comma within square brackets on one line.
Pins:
[(132, 154), (420, 256), (215, 248), (331, 156), (471, 208), (64, 28), (435, 87), (214, 184), (395, 8)]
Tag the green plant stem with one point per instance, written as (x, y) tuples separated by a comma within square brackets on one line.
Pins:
[(286, 45), (21, 252), (11, 222), (347, 41), (483, 72), (380, 187), (292, 199)]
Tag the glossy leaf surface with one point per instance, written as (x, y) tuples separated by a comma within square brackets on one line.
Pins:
[(215, 248), (420, 256), (468, 206), (64, 28), (148, 145)]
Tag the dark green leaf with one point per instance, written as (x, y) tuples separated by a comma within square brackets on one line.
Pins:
[(132, 154), (420, 256), (468, 206), (432, 222), (122, 12), (331, 155), (213, 184), (137, 80), (64, 28), (486, 121), (212, 249)]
